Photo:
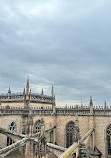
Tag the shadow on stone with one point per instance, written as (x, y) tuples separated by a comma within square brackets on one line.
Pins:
[(14, 154)]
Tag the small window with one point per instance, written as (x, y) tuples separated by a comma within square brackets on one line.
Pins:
[(37, 126), (12, 127)]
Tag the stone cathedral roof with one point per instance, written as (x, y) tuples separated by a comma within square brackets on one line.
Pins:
[(28, 95)]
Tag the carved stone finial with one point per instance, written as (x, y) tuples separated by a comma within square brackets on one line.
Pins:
[(30, 94), (76, 134), (42, 93), (105, 105), (81, 102), (24, 91), (52, 91), (27, 87), (91, 102), (9, 91), (91, 106)]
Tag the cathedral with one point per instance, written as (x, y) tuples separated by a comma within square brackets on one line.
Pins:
[(32, 126)]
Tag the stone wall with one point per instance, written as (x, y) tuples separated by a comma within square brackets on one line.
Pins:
[(61, 122), (101, 123), (98, 122), (5, 121)]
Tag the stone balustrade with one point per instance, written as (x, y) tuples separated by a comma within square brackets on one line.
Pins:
[(82, 110)]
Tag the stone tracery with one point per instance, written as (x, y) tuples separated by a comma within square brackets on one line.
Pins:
[(109, 139), (12, 127)]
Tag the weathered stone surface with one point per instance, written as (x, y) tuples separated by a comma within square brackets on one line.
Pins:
[(14, 154)]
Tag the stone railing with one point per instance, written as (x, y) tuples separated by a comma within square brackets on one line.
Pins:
[(13, 95), (13, 110), (83, 110), (33, 97), (73, 110), (26, 111), (41, 98), (102, 110)]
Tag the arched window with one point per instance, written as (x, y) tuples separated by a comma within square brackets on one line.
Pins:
[(69, 133), (109, 139), (37, 126), (7, 107), (12, 127)]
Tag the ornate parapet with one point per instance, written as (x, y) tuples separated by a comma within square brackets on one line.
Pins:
[(25, 111), (102, 110), (84, 110), (42, 111), (13, 110), (73, 110), (33, 98), (36, 98), (15, 97)]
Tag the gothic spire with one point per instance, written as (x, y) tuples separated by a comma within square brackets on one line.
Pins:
[(9, 91), (76, 134), (91, 102), (27, 87), (24, 91), (52, 91), (105, 104), (42, 93), (81, 102), (91, 105)]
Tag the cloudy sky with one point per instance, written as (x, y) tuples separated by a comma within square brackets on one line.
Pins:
[(66, 43)]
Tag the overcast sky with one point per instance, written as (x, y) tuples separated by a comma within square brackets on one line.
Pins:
[(66, 43)]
